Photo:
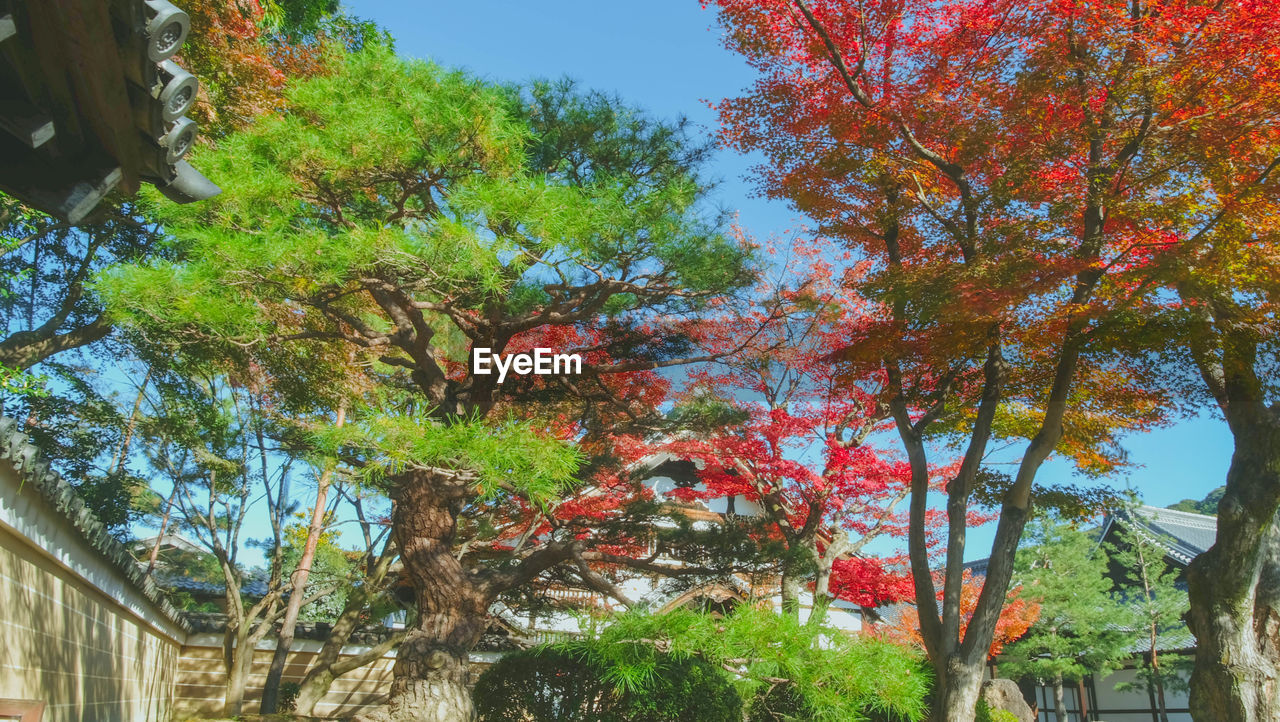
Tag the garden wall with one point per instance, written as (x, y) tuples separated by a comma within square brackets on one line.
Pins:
[(82, 634), (202, 678), (86, 635)]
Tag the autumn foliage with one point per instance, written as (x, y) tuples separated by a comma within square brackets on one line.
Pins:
[(779, 427), (1016, 618), (1021, 178), (243, 68)]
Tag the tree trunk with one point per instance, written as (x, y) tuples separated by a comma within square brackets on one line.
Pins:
[(238, 655), (1161, 707), (1059, 700), (298, 588), (1233, 594), (1153, 641), (821, 605), (154, 556), (329, 665), (320, 677), (432, 675), (237, 682), (1157, 678), (956, 690), (789, 593)]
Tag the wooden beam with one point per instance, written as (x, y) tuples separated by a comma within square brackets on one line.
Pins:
[(26, 123), (69, 190), (92, 62), (77, 200)]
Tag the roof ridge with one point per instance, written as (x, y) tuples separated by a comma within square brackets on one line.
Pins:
[(1189, 517), (1165, 509)]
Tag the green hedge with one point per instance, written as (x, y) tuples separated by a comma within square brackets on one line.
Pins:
[(559, 684)]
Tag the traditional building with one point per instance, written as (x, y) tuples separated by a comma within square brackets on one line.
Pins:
[(663, 474)]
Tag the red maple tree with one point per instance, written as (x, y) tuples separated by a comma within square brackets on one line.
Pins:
[(794, 439), (1017, 175)]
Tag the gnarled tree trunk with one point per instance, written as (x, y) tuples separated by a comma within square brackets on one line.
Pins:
[(1234, 587), (432, 676), (1234, 595)]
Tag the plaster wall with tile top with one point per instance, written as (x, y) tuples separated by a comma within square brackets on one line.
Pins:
[(78, 636)]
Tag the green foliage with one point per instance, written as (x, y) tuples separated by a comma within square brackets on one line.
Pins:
[(1155, 604), (289, 695), (45, 263), (563, 684), (986, 714), (403, 170), (502, 455), (331, 568), (1070, 502), (1207, 505), (351, 134), (836, 677), (706, 412), (16, 382), (1061, 567), (296, 17), (640, 173), (80, 431)]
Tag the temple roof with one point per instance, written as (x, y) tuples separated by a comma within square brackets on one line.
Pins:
[(1184, 535), (91, 104)]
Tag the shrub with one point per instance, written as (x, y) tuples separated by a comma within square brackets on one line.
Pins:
[(986, 714), (561, 684), (289, 695), (802, 672)]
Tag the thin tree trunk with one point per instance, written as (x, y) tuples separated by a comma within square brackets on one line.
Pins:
[(1059, 700), (164, 525), (298, 586), (240, 662), (319, 678), (239, 645), (789, 593), (1153, 638), (821, 605), (117, 462), (822, 597), (1161, 707)]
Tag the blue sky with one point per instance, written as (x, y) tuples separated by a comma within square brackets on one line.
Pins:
[(666, 56)]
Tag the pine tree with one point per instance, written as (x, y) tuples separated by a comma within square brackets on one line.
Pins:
[(1063, 569), (1154, 608)]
